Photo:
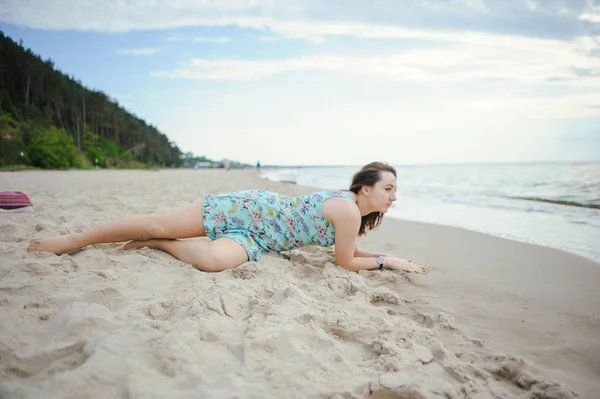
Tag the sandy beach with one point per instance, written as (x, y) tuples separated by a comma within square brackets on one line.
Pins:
[(492, 319)]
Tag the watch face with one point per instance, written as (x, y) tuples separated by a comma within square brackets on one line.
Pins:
[(380, 260)]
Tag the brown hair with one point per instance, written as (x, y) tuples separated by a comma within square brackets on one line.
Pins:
[(368, 176)]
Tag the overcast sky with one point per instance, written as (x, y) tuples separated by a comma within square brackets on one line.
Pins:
[(338, 82)]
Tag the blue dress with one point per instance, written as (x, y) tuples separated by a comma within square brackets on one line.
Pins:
[(263, 221)]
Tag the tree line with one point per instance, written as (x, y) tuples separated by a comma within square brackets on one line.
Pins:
[(50, 120)]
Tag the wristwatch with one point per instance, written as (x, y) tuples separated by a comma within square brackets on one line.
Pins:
[(380, 262)]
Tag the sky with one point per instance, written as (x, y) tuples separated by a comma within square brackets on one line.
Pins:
[(338, 82)]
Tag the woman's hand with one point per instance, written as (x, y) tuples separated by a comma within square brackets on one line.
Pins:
[(404, 265)]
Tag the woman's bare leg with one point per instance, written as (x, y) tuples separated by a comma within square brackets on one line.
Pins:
[(220, 254), (183, 224)]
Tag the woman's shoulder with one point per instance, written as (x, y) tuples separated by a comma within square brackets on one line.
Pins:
[(344, 208), (335, 194)]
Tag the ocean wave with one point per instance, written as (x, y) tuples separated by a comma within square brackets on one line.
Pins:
[(558, 202)]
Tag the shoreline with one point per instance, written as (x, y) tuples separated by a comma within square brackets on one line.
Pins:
[(586, 254), (492, 300)]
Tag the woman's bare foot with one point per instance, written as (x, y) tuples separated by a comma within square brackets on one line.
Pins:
[(59, 245)]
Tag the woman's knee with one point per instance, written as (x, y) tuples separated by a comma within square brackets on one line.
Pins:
[(158, 227), (215, 261), (209, 265)]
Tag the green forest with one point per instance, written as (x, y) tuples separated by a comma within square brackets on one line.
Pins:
[(49, 120)]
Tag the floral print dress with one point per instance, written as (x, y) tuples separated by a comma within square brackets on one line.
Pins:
[(263, 221)]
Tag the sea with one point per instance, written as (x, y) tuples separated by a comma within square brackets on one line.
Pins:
[(555, 205)]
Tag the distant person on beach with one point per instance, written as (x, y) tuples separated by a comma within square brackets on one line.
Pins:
[(244, 225), (258, 166)]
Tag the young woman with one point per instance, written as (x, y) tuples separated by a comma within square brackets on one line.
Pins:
[(244, 225)]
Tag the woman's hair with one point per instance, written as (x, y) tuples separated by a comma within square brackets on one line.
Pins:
[(368, 176)]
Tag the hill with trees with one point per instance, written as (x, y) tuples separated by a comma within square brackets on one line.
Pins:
[(50, 120)]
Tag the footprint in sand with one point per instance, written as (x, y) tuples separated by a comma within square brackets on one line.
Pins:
[(49, 361)]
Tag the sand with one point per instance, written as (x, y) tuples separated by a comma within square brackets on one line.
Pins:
[(493, 318)]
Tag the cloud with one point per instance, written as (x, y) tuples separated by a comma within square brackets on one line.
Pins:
[(455, 6), (590, 17), (138, 51), (183, 38), (565, 106), (123, 16), (460, 57), (571, 9), (212, 39), (267, 38)]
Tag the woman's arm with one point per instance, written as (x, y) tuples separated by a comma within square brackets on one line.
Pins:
[(346, 219), (359, 253)]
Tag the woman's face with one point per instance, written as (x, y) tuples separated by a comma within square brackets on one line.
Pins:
[(383, 193)]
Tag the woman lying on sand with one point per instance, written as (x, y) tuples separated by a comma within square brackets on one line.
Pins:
[(244, 225)]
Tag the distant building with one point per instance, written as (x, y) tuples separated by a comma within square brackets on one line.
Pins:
[(226, 163), (203, 165)]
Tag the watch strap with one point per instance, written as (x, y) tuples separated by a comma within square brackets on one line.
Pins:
[(380, 262)]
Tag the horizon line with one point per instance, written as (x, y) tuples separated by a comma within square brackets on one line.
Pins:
[(432, 164)]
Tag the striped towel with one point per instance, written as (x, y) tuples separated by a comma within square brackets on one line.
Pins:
[(10, 200)]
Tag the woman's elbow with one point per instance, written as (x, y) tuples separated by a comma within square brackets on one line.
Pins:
[(348, 266)]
